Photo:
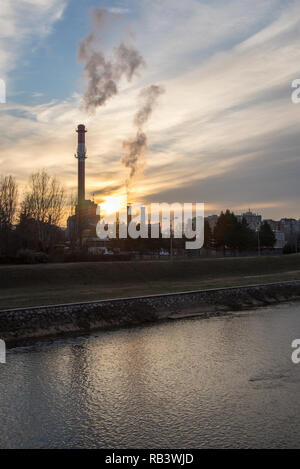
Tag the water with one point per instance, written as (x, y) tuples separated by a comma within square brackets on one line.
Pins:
[(220, 382)]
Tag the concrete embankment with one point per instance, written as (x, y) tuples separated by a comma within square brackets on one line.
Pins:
[(36, 322)]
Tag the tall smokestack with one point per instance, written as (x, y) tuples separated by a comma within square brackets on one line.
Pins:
[(81, 155)]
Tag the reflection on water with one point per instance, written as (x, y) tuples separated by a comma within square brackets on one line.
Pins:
[(220, 382)]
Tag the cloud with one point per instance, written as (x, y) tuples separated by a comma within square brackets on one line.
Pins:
[(225, 132), (187, 32), (23, 23), (118, 10)]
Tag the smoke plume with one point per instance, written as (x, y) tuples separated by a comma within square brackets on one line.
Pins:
[(135, 149), (103, 75)]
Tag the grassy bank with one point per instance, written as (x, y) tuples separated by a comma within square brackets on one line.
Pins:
[(29, 285)]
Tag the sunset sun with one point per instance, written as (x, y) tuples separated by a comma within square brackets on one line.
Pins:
[(112, 204)]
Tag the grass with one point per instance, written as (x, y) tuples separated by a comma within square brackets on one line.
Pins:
[(31, 285)]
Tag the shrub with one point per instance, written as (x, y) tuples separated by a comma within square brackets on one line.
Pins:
[(27, 256)]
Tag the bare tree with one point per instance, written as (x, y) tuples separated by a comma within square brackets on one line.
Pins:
[(45, 199), (8, 201), (44, 202), (8, 207)]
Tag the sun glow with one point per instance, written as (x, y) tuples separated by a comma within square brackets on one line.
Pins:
[(112, 204)]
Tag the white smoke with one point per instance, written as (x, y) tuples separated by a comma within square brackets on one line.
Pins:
[(103, 75), (135, 149)]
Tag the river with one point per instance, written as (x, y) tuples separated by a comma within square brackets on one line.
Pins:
[(225, 382)]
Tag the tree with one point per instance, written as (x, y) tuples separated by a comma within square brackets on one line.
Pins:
[(45, 199), (266, 235), (207, 235), (246, 236), (43, 208), (225, 232), (232, 234), (8, 200), (8, 207)]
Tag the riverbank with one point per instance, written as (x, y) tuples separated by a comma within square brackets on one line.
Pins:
[(34, 285), (19, 324)]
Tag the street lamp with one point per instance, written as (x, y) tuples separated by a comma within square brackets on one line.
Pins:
[(172, 221), (258, 240)]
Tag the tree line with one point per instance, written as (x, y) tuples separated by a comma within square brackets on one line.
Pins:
[(30, 226), (230, 233)]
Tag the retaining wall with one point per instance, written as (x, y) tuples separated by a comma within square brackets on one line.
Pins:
[(24, 323)]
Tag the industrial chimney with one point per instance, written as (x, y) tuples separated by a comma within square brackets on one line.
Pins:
[(81, 155)]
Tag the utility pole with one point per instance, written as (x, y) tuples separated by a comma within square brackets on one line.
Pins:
[(171, 245), (258, 241), (172, 222)]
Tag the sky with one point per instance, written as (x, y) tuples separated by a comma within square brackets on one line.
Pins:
[(225, 131)]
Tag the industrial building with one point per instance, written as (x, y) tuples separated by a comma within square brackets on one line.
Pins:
[(81, 227)]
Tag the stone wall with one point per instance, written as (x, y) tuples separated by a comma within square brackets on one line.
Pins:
[(24, 323)]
